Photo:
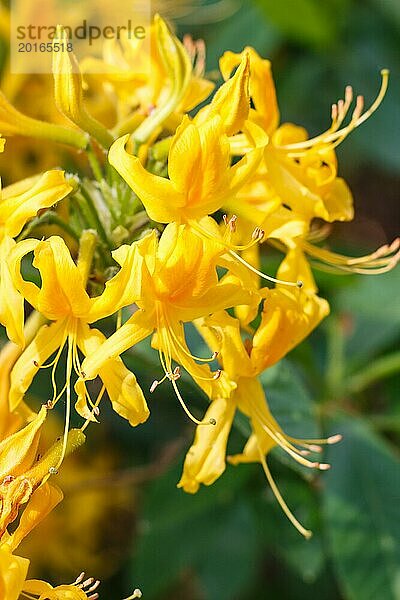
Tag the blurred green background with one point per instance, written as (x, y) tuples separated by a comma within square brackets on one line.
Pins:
[(231, 541)]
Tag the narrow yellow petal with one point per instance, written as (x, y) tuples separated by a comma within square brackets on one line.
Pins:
[(123, 390), (232, 100), (205, 459), (158, 195), (48, 339), (63, 289), (40, 504), (18, 451), (11, 301)]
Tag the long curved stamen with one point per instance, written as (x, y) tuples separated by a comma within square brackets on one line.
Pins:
[(165, 354), (305, 532), (71, 344), (95, 407), (297, 284), (136, 594), (282, 441), (332, 439), (53, 371), (231, 250), (185, 350), (187, 411), (334, 135), (380, 261)]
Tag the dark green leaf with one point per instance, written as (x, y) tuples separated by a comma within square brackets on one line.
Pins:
[(362, 517)]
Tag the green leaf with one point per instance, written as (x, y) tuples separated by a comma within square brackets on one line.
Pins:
[(361, 511), (210, 532), (374, 315)]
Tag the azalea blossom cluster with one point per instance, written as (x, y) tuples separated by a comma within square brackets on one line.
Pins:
[(169, 227)]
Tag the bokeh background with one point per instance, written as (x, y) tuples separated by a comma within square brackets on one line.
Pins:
[(123, 519)]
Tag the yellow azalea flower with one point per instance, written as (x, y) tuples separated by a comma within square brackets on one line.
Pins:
[(62, 299), (179, 284), (200, 176), (288, 317), (300, 171), (152, 77), (18, 204)]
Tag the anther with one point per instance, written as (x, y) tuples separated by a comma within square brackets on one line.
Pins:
[(214, 355), (8, 479), (212, 421), (53, 471), (217, 374), (136, 594), (93, 587), (83, 374), (87, 582), (323, 466), (96, 410), (314, 448), (49, 404), (359, 107), (154, 385), (334, 439), (258, 234), (299, 284), (35, 362), (232, 223)]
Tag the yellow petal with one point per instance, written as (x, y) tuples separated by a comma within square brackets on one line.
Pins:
[(251, 400), (123, 390), (158, 195), (288, 316), (46, 191), (133, 331), (18, 451), (47, 340), (232, 100), (11, 301), (40, 504), (222, 333), (63, 290), (262, 88), (126, 287), (205, 460)]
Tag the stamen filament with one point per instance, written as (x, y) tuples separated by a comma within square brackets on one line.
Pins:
[(305, 532), (339, 111), (95, 406), (298, 284)]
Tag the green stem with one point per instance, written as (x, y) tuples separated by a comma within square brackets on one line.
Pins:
[(49, 218), (94, 164), (381, 368), (95, 222)]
